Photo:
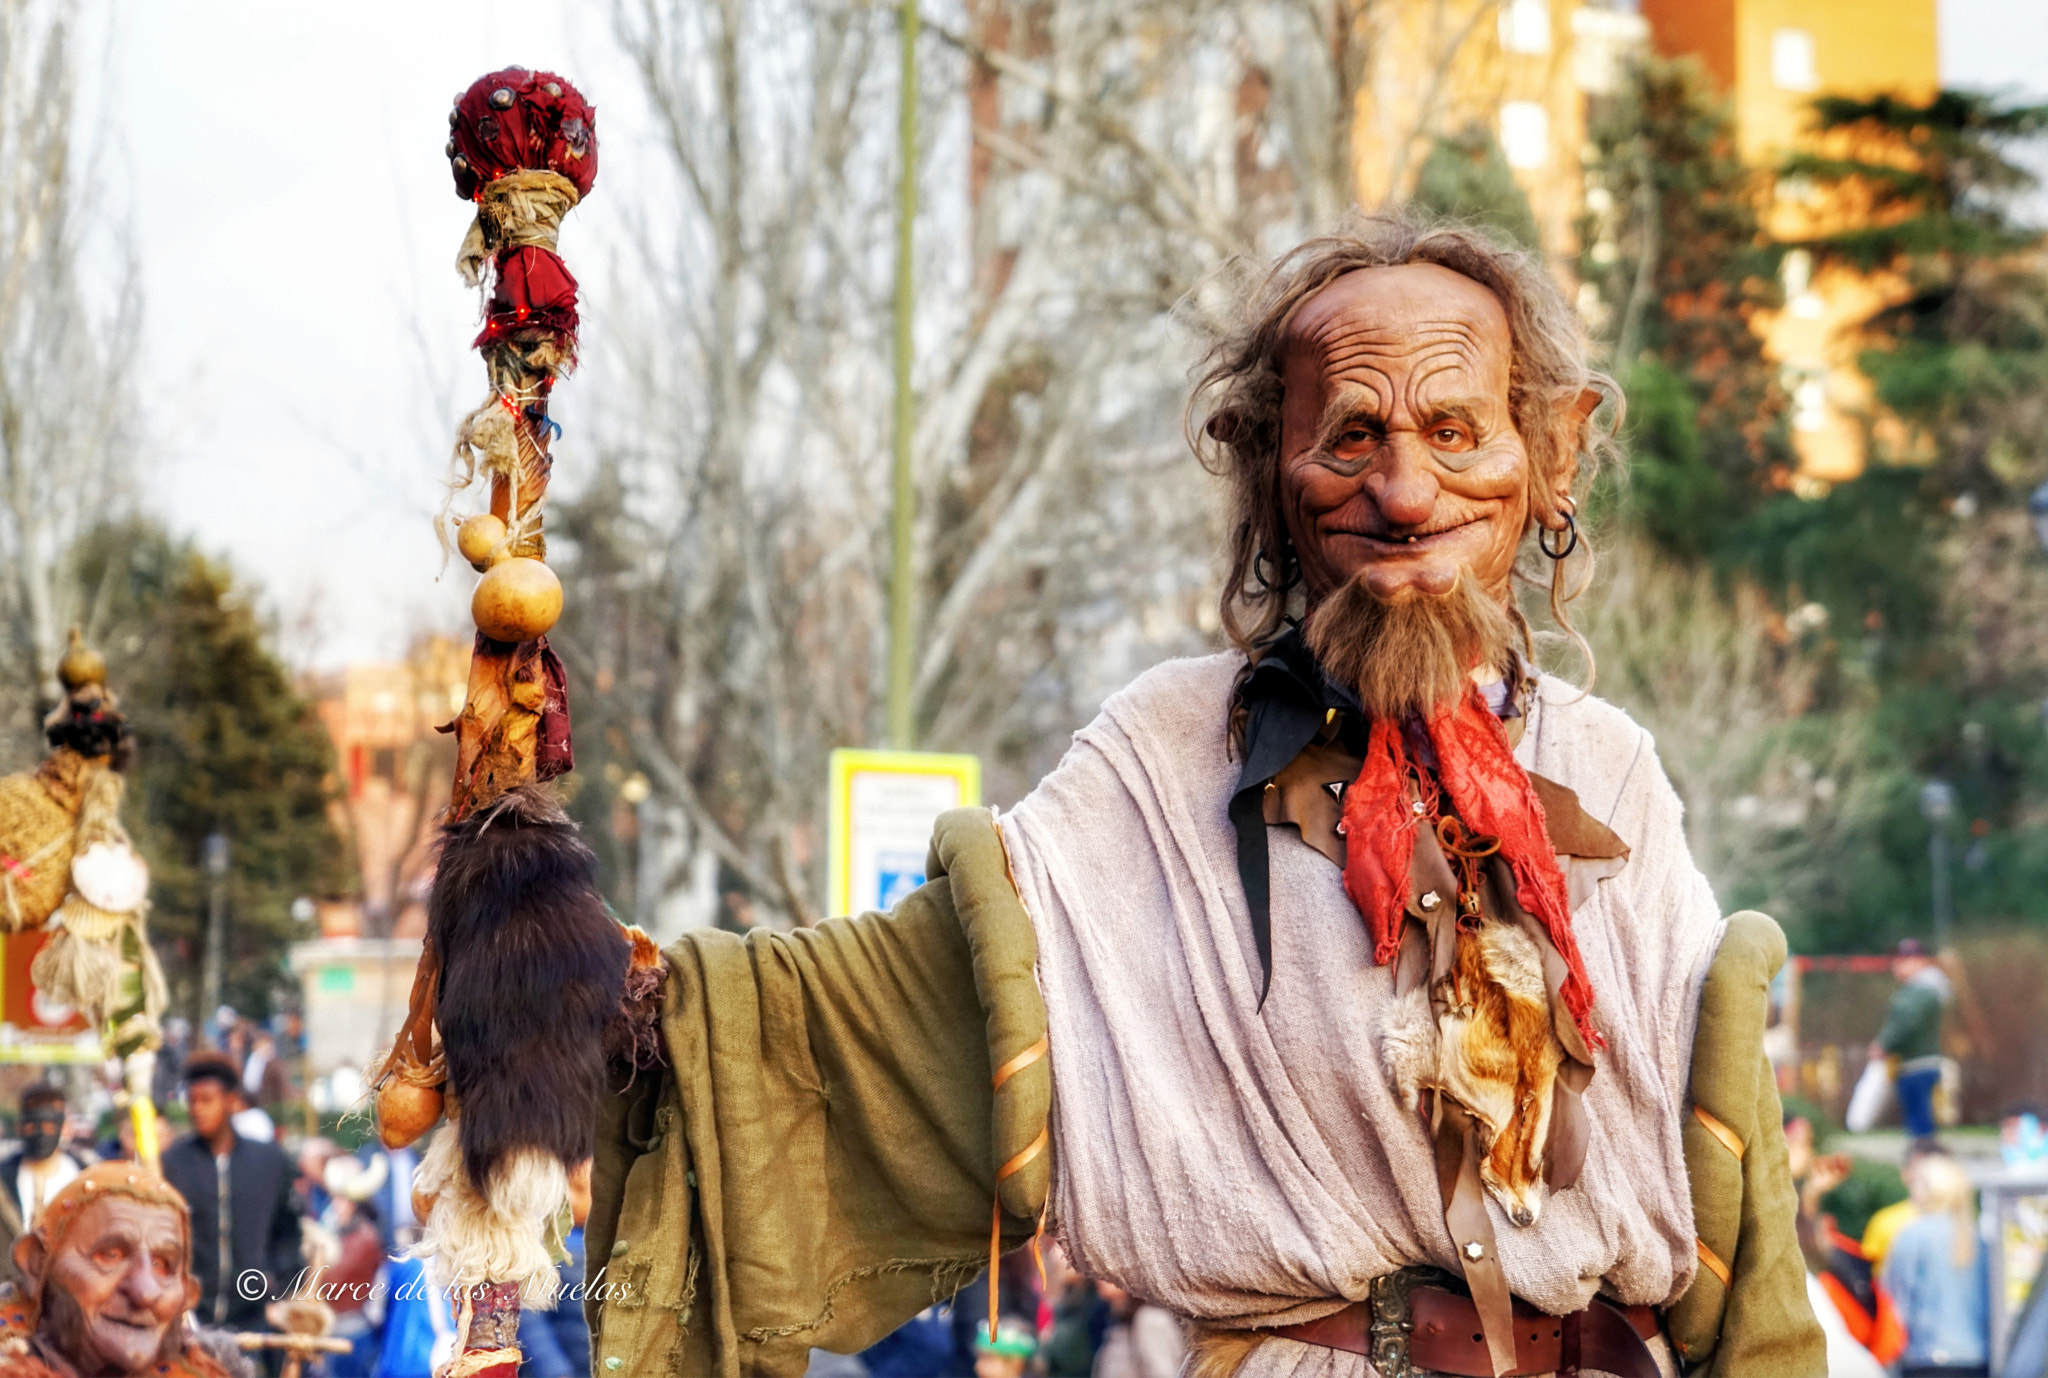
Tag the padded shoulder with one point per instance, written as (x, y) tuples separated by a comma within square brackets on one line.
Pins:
[(967, 849)]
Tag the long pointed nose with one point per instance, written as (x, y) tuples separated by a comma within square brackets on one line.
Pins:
[(1402, 483)]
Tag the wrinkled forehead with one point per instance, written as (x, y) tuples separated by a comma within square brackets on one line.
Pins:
[(82, 1221), (147, 1222), (1373, 321)]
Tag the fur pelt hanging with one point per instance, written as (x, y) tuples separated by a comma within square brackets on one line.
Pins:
[(468, 1237), (531, 968)]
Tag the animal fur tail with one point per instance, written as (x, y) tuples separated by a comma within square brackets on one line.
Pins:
[(468, 1238), (532, 964)]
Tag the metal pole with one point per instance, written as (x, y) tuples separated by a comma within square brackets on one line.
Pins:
[(215, 861), (1944, 904), (1937, 806), (902, 596)]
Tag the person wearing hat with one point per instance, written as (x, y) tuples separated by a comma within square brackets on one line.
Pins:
[(106, 1284), (1006, 1353), (1911, 1036)]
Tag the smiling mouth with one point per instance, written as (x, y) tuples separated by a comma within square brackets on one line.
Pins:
[(141, 1326), (1396, 544)]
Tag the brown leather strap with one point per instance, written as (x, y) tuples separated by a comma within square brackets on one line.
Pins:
[(1445, 1337), (1730, 1140), (1472, 1231), (1713, 1263), (1010, 1169)]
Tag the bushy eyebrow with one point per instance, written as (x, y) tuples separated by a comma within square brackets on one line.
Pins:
[(1465, 409), (1349, 409)]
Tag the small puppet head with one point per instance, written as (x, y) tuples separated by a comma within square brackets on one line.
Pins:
[(109, 1268), (89, 720)]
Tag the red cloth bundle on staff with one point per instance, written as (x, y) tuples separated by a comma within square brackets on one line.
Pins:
[(523, 146), (516, 120), (534, 290), (523, 967)]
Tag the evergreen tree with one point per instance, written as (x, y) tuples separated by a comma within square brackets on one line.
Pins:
[(1921, 197), (1905, 614), (1677, 267), (225, 744), (1936, 592), (1466, 177)]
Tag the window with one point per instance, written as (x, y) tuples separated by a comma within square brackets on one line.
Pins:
[(1525, 134), (1807, 385), (1792, 66), (1603, 44), (1797, 272), (1525, 26)]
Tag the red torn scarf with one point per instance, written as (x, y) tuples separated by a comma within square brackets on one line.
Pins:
[(1491, 793)]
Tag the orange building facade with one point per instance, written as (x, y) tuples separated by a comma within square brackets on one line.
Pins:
[(1772, 58), (395, 768), (1519, 69)]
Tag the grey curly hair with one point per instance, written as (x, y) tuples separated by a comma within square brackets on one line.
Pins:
[(1233, 414)]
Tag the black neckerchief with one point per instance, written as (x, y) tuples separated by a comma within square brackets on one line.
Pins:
[(1287, 699)]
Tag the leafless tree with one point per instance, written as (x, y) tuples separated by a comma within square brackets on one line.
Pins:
[(67, 333), (1728, 686), (1095, 173)]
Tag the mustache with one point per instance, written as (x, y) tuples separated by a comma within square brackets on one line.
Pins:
[(1414, 654)]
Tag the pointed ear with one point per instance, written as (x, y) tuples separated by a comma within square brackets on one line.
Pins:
[(29, 1259), (1227, 426), (1572, 414)]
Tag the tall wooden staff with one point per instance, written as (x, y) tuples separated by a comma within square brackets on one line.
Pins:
[(522, 964)]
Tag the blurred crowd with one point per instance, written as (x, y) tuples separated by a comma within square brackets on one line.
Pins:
[(284, 1215), (1909, 1292)]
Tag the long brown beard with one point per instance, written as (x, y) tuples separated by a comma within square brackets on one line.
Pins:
[(1414, 654)]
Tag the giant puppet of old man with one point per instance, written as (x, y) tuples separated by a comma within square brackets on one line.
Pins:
[(1351, 994), (106, 1286)]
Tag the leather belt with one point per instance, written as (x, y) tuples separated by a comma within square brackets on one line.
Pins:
[(1442, 1335)]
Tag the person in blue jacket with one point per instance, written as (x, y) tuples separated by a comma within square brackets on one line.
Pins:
[(1937, 1273)]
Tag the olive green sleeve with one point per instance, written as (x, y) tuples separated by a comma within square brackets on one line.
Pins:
[(1746, 1312), (821, 1157)]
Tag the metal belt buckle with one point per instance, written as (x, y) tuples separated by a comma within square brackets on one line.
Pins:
[(1391, 1322)]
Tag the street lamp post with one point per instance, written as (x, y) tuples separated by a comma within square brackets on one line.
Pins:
[(1937, 805), (2037, 511), (213, 859)]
